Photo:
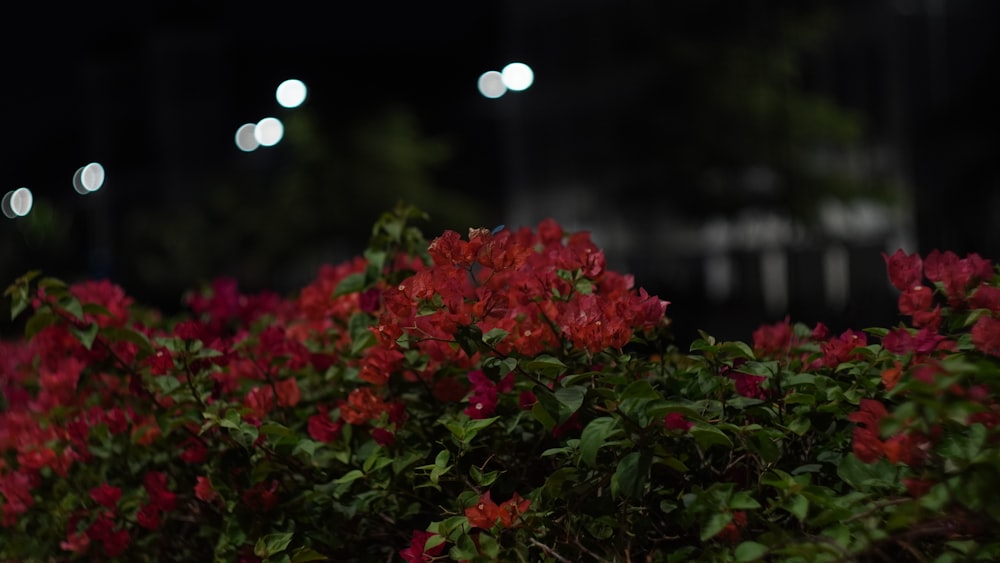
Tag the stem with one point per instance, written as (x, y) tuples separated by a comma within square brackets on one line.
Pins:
[(549, 550)]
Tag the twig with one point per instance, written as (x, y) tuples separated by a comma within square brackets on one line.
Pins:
[(549, 550)]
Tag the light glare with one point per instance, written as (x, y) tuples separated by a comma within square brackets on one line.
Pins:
[(246, 139), (517, 76), (269, 131), (5, 206), (92, 177), (291, 93), (491, 85), (20, 202)]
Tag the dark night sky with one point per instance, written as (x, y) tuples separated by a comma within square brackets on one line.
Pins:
[(154, 92)]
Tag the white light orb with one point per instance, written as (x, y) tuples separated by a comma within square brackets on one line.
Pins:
[(517, 76), (21, 201), (269, 131), (291, 93), (92, 177), (246, 139), (491, 85)]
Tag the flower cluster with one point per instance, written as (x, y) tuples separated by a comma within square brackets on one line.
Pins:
[(379, 412)]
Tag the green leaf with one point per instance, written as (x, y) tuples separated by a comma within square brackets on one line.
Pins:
[(743, 501), (542, 415), (304, 554), (494, 336), (350, 284), (545, 365), (474, 426), (594, 436), (798, 505), (37, 322), (464, 549), (271, 544), (362, 342), (20, 293), (72, 306), (124, 334), (570, 399), (707, 436), (631, 475), (349, 477), (488, 546), (799, 425), (86, 336), (737, 349), (715, 523), (750, 551)]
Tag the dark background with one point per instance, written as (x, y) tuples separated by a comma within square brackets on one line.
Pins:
[(744, 159)]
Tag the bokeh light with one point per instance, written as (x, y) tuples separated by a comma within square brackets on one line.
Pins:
[(517, 76), (291, 93), (491, 84), (246, 139), (269, 131), (17, 203), (88, 178)]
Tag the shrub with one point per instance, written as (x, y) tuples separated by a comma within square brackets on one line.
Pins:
[(502, 397)]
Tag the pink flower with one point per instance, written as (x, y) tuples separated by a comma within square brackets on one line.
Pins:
[(676, 421), (415, 553), (77, 542)]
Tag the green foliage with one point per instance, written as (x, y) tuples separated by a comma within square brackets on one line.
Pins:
[(473, 400)]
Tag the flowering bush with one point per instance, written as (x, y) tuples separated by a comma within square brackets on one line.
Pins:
[(503, 397)]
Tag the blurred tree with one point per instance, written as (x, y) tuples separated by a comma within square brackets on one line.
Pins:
[(311, 200)]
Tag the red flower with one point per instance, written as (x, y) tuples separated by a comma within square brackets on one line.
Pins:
[(288, 392), (261, 497), (905, 271), (362, 405), (161, 362), (155, 483), (204, 491), (148, 517), (526, 400), (383, 437), (196, 452), (770, 340), (917, 487), (483, 514), (106, 495), (116, 542), (512, 509), (416, 553), (915, 299), (321, 428), (116, 420), (986, 335), (890, 376), (841, 349), (732, 532), (379, 363)]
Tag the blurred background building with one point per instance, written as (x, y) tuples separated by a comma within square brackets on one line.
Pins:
[(746, 160)]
